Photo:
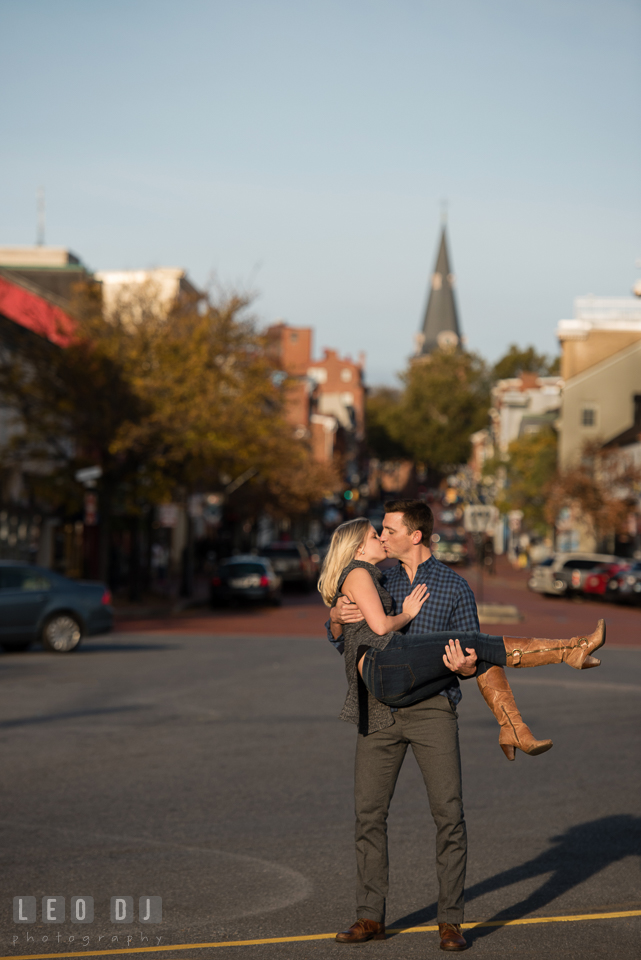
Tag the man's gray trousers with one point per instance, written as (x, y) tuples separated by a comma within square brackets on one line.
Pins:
[(431, 728)]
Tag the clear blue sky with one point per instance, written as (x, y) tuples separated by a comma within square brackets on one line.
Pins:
[(301, 149)]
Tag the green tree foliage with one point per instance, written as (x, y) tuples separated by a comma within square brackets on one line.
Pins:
[(445, 400), (524, 360), (530, 470), (382, 407)]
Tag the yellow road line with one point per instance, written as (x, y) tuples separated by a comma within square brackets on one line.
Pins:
[(321, 936)]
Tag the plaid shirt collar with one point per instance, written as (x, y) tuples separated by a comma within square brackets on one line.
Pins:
[(424, 570)]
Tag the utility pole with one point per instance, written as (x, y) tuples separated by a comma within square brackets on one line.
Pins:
[(40, 205), (478, 519)]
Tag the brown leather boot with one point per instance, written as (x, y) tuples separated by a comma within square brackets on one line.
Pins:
[(498, 695), (533, 652), (361, 931), (451, 937)]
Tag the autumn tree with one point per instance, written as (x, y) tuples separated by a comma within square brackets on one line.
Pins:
[(214, 407), (602, 488)]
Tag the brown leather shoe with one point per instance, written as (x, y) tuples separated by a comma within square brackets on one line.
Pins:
[(451, 939), (363, 930)]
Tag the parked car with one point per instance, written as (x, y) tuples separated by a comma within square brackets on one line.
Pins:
[(38, 604), (449, 547), (564, 572), (596, 581), (247, 578), (292, 562), (625, 586)]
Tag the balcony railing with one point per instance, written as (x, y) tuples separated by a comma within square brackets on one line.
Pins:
[(607, 308)]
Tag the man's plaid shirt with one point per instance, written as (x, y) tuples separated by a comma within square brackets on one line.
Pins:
[(450, 605)]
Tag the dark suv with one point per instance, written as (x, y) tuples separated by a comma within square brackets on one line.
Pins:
[(291, 561), (245, 578)]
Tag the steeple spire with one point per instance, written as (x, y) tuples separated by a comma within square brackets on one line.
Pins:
[(440, 324)]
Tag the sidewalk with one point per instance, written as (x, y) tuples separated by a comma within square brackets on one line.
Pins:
[(300, 615), (304, 615)]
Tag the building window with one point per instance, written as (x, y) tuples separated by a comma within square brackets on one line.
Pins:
[(293, 337), (346, 375), (319, 374), (588, 417)]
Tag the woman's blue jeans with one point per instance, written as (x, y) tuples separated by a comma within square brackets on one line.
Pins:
[(411, 668)]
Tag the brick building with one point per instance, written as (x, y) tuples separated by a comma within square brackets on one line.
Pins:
[(327, 396)]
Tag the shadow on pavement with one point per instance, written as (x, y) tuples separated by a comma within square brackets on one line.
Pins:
[(13, 657), (67, 715), (578, 854)]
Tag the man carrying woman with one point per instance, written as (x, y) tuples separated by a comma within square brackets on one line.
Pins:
[(402, 670)]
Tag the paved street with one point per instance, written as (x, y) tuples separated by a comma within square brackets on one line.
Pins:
[(205, 764)]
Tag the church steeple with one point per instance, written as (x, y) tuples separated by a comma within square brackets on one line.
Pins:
[(440, 324)]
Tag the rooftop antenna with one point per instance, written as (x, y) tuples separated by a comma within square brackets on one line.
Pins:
[(40, 203)]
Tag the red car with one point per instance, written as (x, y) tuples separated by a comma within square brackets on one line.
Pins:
[(597, 580)]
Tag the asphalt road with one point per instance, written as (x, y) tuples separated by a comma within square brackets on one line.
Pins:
[(211, 770)]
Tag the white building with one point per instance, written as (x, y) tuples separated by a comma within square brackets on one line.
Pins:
[(601, 366), (130, 288), (522, 405)]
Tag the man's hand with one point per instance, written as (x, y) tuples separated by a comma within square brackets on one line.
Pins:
[(345, 612), (456, 661)]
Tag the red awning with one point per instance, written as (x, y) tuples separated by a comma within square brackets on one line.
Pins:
[(35, 313)]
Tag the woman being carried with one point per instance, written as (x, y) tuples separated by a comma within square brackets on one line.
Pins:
[(399, 670)]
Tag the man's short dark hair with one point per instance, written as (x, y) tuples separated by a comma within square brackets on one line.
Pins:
[(416, 516)]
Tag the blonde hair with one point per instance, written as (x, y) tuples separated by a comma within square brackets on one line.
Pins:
[(346, 540)]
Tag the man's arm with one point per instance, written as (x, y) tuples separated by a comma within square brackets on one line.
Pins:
[(338, 642), (464, 613), (335, 628), (344, 612), (464, 617)]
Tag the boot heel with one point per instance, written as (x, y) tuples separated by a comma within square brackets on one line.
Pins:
[(378, 936), (514, 732), (590, 662)]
